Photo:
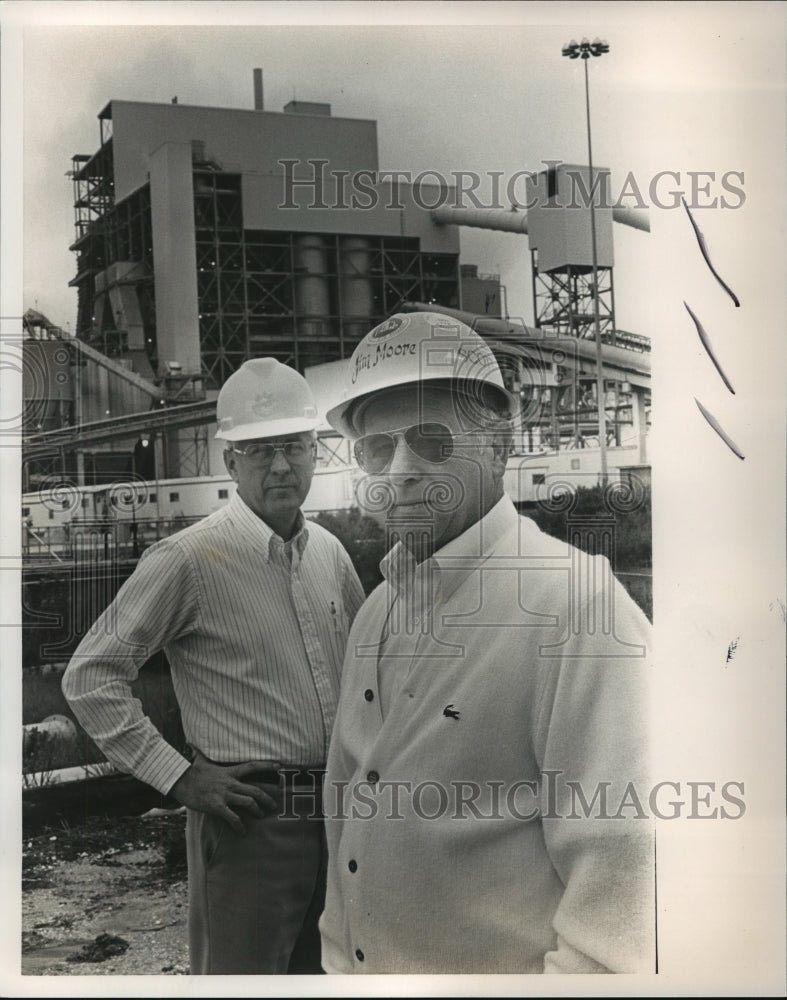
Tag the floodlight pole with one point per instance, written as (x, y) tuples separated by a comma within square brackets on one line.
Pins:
[(584, 50)]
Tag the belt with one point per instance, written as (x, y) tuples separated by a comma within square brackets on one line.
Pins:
[(288, 775), (291, 776)]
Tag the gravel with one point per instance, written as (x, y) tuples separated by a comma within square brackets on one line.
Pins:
[(122, 878)]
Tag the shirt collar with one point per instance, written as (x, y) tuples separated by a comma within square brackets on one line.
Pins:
[(454, 562), (260, 535), (458, 558), (399, 567)]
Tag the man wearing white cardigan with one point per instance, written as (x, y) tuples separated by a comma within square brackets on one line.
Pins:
[(487, 779)]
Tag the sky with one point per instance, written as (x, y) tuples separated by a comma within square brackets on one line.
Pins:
[(686, 87), (445, 99), (480, 97)]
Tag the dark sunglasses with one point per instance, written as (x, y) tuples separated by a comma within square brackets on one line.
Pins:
[(432, 442)]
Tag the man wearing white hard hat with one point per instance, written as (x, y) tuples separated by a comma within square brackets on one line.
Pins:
[(252, 608), (481, 792)]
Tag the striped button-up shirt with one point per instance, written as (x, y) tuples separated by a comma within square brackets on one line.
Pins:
[(485, 770), (254, 629)]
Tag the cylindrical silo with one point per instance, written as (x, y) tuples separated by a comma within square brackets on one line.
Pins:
[(312, 292), (357, 300)]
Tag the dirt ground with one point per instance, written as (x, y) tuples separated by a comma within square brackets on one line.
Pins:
[(112, 891)]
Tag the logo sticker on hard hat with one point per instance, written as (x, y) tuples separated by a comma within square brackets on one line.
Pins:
[(264, 404), (388, 328)]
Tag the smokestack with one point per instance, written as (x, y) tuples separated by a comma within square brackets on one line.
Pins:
[(258, 105)]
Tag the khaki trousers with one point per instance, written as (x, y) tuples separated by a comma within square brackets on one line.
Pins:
[(254, 900)]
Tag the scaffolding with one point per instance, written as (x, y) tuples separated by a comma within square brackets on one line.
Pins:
[(303, 298), (564, 301), (564, 306)]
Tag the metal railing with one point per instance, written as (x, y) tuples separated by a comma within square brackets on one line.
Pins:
[(95, 540), (116, 540)]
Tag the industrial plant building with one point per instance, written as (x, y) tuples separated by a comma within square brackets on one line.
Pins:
[(209, 235), (206, 236), (203, 238)]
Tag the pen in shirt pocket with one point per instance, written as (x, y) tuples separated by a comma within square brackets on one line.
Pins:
[(337, 618)]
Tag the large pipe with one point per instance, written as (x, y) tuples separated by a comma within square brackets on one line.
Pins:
[(115, 368), (501, 220), (638, 363), (51, 743), (637, 218), (483, 325), (514, 221)]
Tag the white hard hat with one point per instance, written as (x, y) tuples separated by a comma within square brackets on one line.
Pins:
[(264, 398), (417, 347)]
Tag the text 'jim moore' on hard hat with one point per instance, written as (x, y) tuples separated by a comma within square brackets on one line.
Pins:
[(418, 347)]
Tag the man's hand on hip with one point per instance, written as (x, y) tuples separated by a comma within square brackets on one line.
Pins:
[(222, 791)]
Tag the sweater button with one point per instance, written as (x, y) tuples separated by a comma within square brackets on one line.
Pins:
[(359, 954), (353, 866), (373, 777), (369, 694)]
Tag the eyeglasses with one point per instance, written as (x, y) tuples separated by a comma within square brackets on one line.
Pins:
[(263, 452), (432, 442)]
